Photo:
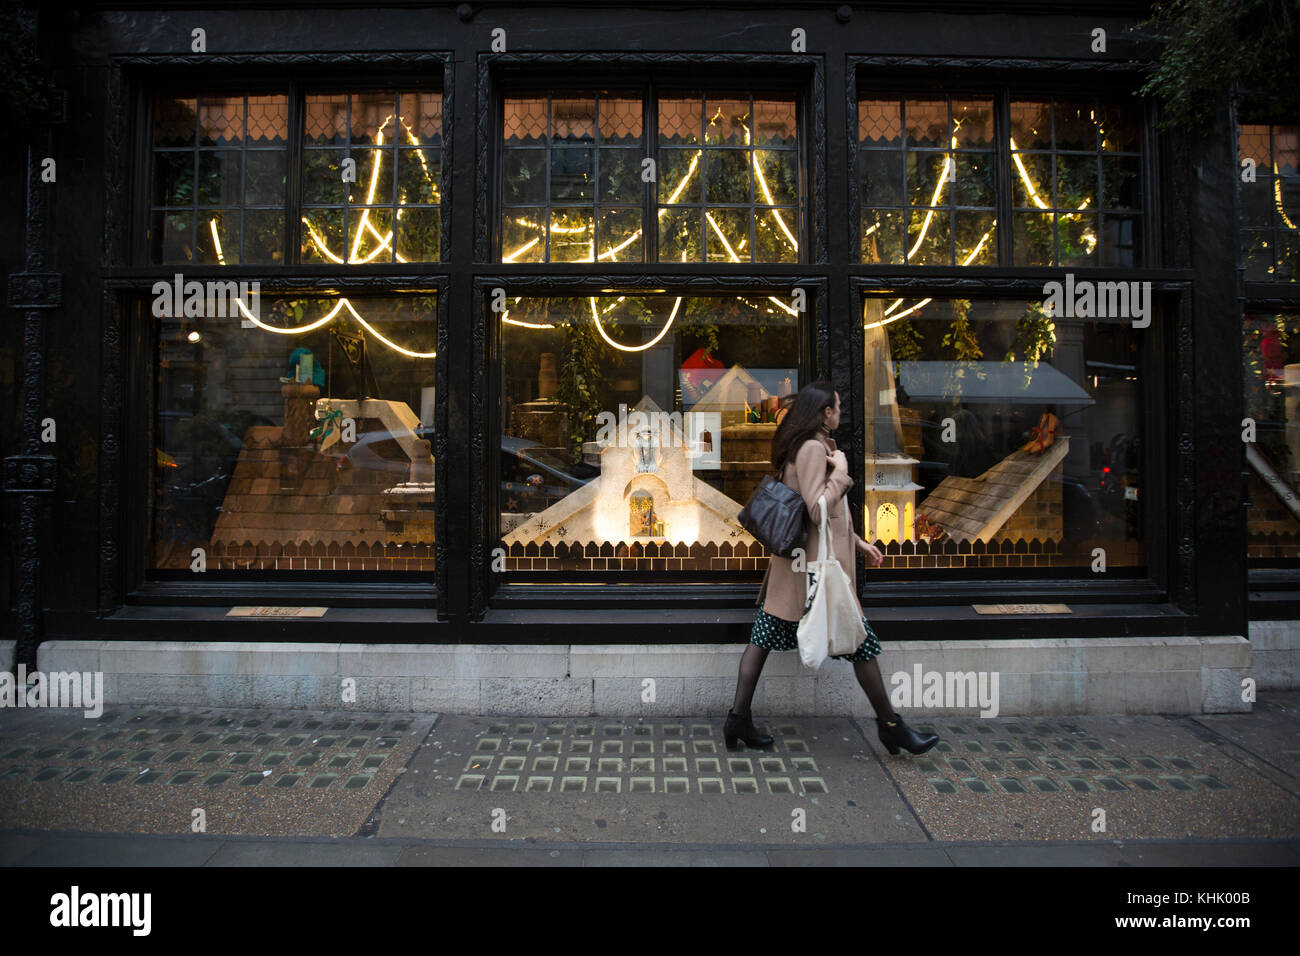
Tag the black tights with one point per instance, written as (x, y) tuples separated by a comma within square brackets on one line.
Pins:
[(868, 674)]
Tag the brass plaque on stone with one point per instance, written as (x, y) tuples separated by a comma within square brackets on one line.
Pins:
[(1021, 609), (276, 612)]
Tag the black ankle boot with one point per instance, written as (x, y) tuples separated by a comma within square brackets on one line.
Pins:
[(900, 735), (742, 726)]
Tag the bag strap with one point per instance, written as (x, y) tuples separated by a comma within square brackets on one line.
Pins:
[(814, 579), (823, 532)]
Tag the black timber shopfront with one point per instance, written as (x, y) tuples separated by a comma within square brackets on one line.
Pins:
[(531, 281)]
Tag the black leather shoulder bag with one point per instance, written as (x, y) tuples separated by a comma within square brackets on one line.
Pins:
[(776, 517)]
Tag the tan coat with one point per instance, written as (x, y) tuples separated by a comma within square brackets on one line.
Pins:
[(785, 591)]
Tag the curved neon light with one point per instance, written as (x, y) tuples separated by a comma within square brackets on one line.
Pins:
[(298, 330), (364, 224), (595, 317), (342, 304), (1277, 197), (389, 342)]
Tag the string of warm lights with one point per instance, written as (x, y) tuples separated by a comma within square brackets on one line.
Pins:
[(364, 225), (342, 304), (613, 252), (948, 162), (672, 199), (1277, 197)]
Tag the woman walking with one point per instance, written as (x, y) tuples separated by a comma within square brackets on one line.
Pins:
[(805, 455)]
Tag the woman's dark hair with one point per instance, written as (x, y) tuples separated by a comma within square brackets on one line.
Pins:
[(802, 420)]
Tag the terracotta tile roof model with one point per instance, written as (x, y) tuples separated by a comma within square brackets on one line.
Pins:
[(976, 508)]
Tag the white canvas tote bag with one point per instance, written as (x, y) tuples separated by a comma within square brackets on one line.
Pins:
[(830, 623)]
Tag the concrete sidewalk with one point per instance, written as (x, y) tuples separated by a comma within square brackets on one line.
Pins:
[(132, 849), (252, 787)]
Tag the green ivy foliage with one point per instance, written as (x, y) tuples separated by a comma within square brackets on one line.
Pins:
[(1213, 46)]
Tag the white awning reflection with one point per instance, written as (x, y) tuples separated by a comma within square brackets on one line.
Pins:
[(993, 382)]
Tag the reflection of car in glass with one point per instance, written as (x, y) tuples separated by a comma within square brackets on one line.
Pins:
[(532, 479), (196, 452), (195, 457), (379, 452)]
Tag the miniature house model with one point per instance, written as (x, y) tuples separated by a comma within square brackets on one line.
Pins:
[(646, 491), (730, 396), (890, 492)]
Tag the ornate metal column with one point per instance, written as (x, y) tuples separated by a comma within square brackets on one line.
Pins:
[(31, 475)]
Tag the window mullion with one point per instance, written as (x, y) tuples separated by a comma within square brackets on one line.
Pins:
[(952, 189), (1003, 174), (294, 161), (550, 164), (198, 167), (650, 196)]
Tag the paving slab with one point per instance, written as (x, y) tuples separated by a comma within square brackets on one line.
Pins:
[(1060, 779), (646, 781), (428, 789), (249, 771), (1268, 743)]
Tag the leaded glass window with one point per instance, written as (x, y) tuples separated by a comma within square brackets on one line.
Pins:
[(1270, 201), (371, 177), (218, 184)]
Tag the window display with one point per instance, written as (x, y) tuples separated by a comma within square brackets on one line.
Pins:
[(637, 426), (1000, 436), (1076, 183), (297, 441), (1271, 370), (927, 188), (368, 175), (729, 186)]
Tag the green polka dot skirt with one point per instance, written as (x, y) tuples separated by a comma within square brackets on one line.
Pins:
[(776, 634)]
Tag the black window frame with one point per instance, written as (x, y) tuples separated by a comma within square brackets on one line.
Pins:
[(1272, 586), (1273, 230), (870, 83), (296, 85), (515, 74), (653, 86), (134, 82), (1166, 584)]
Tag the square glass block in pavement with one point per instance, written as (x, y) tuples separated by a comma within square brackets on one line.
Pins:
[(637, 756)]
